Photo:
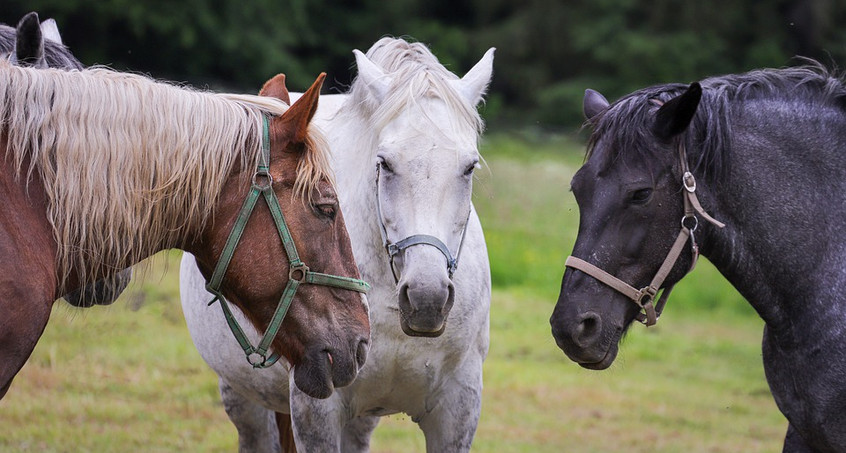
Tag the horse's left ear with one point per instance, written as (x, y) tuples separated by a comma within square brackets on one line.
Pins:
[(275, 87), (475, 83), (675, 115), (373, 76), (300, 114), (29, 44)]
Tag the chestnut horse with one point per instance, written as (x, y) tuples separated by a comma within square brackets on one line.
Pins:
[(103, 169)]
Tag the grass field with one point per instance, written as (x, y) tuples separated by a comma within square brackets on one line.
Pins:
[(126, 378)]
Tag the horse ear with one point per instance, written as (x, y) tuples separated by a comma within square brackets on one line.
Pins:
[(50, 31), (675, 115), (372, 76), (275, 87), (29, 44), (593, 104), (475, 83), (300, 114)]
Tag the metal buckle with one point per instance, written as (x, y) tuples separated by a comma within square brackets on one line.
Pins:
[(645, 296), (689, 182), (295, 268)]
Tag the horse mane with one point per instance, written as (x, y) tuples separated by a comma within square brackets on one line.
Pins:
[(415, 73), (131, 165), (56, 55), (708, 139)]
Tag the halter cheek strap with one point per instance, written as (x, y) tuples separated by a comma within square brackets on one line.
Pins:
[(395, 248), (644, 297), (298, 273)]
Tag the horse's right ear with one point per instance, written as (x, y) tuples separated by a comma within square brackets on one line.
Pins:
[(50, 31), (675, 115), (275, 87), (29, 44), (300, 114), (594, 104)]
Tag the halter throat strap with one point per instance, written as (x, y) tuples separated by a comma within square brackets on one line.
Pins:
[(298, 273), (644, 298), (395, 248)]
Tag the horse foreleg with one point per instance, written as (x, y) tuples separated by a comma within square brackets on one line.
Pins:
[(317, 423), (356, 437), (257, 430), (451, 424), (23, 317)]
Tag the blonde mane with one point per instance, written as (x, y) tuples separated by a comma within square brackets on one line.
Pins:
[(131, 165), (415, 73)]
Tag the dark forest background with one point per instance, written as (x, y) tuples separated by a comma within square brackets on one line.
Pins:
[(548, 51)]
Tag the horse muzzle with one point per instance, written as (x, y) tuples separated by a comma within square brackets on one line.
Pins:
[(425, 305), (586, 338), (323, 370)]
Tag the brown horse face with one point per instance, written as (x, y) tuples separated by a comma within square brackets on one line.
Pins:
[(325, 335)]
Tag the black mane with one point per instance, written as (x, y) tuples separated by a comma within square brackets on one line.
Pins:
[(708, 140)]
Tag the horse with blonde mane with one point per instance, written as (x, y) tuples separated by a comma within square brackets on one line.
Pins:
[(404, 142), (102, 169)]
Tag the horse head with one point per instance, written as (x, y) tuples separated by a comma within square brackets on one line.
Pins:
[(325, 334), (38, 44), (426, 152), (630, 198)]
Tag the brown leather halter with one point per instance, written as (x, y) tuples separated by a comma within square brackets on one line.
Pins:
[(645, 296)]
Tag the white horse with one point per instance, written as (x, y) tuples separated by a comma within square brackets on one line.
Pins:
[(405, 144)]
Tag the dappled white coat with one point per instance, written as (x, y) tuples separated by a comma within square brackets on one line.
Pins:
[(437, 381)]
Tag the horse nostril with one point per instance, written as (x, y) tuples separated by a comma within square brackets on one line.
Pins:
[(361, 352), (588, 329)]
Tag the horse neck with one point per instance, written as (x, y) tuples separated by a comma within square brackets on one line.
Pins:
[(782, 200), (353, 142)]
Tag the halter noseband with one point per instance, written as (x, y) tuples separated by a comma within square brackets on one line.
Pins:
[(299, 273), (644, 297), (394, 248)]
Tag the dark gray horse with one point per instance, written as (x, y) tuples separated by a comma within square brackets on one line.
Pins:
[(38, 44), (766, 155)]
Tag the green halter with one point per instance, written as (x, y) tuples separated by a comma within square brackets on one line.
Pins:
[(299, 273)]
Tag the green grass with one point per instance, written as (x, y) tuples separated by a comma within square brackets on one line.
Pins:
[(126, 378)]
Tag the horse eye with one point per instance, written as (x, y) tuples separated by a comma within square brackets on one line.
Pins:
[(326, 210), (384, 164), (640, 196), (471, 168)]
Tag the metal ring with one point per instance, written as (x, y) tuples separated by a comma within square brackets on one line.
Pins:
[(302, 269), (695, 223), (268, 179), (256, 364)]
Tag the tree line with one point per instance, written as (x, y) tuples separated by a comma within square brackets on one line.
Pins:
[(548, 51)]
